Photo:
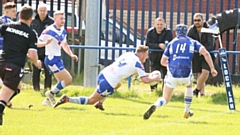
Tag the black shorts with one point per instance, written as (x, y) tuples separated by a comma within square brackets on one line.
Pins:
[(11, 74), (199, 63), (159, 67)]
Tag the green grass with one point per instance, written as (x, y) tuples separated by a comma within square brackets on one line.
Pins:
[(123, 114)]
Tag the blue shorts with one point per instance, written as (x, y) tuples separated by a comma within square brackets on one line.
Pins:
[(104, 88), (54, 64)]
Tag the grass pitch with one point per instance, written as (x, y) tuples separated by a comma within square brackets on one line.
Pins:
[(123, 114)]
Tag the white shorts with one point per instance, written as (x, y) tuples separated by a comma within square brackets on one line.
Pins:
[(172, 82)]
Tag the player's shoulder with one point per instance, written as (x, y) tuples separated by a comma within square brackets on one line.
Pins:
[(49, 28), (151, 30)]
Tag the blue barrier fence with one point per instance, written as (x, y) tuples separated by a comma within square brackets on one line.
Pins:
[(133, 49), (126, 21)]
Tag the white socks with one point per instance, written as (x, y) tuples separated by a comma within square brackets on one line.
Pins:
[(160, 102), (188, 99)]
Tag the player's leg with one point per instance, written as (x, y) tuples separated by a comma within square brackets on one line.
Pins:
[(167, 94), (202, 91), (188, 95), (99, 104), (11, 75), (103, 90), (9, 103), (64, 79), (5, 95)]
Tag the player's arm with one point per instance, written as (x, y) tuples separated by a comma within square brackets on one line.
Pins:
[(67, 49), (208, 58), (148, 80), (44, 43), (165, 56), (44, 39), (32, 51), (32, 54), (164, 61), (143, 75)]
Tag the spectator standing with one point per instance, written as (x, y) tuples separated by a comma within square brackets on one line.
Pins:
[(200, 65), (158, 37), (41, 21)]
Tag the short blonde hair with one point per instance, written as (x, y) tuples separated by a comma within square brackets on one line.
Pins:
[(9, 5), (141, 48), (58, 13), (159, 19)]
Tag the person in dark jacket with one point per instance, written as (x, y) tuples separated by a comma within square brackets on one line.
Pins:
[(41, 21), (158, 37), (199, 64)]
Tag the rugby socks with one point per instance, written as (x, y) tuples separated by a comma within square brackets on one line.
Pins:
[(188, 99), (2, 107), (160, 102), (78, 100), (14, 94), (59, 86)]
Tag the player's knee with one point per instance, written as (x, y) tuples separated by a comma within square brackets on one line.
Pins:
[(68, 80), (205, 72)]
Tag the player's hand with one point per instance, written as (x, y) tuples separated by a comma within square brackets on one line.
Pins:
[(214, 72), (157, 77), (39, 64), (49, 40), (75, 57), (162, 46), (118, 86)]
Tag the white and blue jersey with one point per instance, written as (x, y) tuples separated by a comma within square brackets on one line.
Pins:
[(126, 65), (4, 20), (180, 53), (58, 35), (53, 59)]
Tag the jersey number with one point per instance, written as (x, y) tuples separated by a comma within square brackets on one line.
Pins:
[(122, 63), (181, 47)]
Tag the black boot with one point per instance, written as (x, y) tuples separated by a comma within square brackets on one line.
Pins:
[(196, 92)]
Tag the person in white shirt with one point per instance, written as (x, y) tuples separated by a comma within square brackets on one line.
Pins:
[(54, 38), (110, 77)]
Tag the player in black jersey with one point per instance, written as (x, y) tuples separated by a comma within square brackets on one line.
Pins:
[(19, 41)]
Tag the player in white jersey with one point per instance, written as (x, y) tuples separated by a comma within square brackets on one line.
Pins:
[(178, 60), (53, 38), (109, 79)]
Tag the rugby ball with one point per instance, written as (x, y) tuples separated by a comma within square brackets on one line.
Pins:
[(152, 75)]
